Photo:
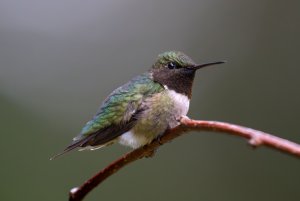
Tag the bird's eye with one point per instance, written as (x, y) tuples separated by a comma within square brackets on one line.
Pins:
[(173, 65)]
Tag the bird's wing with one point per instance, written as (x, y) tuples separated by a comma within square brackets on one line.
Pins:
[(117, 114)]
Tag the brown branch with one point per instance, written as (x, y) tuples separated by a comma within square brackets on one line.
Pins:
[(256, 138)]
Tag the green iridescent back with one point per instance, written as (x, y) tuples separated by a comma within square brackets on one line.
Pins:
[(121, 104)]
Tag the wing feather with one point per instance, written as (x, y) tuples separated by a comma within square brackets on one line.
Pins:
[(117, 114)]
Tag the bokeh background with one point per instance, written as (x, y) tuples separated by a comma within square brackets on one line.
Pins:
[(59, 60)]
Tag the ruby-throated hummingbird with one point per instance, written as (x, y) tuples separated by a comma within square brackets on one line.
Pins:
[(145, 107)]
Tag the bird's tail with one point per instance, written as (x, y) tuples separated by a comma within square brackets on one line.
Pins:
[(74, 145)]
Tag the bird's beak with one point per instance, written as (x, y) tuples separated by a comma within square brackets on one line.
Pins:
[(196, 67)]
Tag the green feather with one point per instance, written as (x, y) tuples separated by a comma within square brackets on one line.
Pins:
[(121, 104)]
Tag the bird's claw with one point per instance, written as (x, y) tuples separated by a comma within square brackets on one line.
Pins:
[(150, 153), (158, 138)]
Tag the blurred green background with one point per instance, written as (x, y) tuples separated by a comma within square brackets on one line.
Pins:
[(59, 60)]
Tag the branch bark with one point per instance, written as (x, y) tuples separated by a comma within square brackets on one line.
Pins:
[(255, 138)]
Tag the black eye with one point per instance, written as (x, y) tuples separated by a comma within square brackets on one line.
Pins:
[(173, 65)]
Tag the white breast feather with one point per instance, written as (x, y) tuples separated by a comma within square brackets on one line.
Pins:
[(181, 102)]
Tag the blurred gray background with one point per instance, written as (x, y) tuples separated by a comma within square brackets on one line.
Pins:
[(59, 60)]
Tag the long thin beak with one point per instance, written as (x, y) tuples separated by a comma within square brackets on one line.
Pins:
[(207, 64)]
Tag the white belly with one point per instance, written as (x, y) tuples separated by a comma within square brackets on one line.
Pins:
[(132, 140)]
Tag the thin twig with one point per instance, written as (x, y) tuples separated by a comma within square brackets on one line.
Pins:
[(255, 138)]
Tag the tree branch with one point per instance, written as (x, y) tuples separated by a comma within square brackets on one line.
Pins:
[(255, 138)]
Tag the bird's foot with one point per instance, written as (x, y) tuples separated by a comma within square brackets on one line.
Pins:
[(158, 139), (150, 154)]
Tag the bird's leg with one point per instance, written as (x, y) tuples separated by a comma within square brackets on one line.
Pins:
[(150, 153), (158, 139)]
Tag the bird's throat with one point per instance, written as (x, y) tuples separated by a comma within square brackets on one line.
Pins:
[(181, 82)]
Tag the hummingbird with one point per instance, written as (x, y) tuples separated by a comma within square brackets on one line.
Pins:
[(145, 107)]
